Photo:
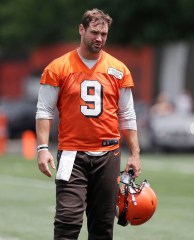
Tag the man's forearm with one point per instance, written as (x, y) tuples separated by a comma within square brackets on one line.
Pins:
[(133, 162), (43, 127), (44, 158), (131, 138)]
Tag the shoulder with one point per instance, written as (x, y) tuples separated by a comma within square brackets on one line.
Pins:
[(58, 64), (57, 69), (115, 66), (113, 61)]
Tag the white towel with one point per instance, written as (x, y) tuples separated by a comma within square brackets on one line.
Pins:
[(66, 165)]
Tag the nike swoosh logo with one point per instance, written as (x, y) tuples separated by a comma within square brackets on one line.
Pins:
[(116, 153)]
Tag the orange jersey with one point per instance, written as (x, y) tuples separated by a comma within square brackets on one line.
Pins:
[(87, 101)]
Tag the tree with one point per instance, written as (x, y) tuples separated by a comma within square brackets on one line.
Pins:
[(26, 24)]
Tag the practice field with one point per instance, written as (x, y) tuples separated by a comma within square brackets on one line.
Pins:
[(27, 200)]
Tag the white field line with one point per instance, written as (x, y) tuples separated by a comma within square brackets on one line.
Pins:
[(167, 166), (171, 166), (156, 165), (9, 238), (26, 182)]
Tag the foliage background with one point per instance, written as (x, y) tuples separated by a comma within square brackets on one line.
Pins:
[(27, 24)]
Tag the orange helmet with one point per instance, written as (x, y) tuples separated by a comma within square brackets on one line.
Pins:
[(136, 203)]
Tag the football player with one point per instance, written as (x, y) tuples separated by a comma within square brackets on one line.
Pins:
[(92, 92)]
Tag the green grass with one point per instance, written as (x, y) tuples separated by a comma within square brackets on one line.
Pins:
[(27, 200)]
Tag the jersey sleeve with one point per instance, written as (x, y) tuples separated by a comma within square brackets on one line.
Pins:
[(119, 70), (50, 78), (52, 73), (127, 80)]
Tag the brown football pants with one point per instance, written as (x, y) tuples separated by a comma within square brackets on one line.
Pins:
[(92, 188)]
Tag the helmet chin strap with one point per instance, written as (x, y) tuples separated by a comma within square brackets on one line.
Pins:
[(129, 186), (122, 217)]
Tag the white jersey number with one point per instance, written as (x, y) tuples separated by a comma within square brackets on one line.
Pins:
[(91, 94)]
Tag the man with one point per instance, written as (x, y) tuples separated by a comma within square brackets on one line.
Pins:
[(91, 90)]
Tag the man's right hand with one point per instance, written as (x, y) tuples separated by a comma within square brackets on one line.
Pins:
[(45, 158)]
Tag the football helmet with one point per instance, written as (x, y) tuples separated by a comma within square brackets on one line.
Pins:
[(136, 202)]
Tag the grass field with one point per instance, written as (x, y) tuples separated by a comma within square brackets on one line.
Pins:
[(27, 200)]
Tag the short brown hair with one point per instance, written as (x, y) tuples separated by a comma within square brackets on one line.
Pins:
[(95, 14)]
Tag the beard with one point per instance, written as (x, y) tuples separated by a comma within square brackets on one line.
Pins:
[(93, 47)]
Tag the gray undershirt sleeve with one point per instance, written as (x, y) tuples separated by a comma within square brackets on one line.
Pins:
[(47, 100), (126, 112)]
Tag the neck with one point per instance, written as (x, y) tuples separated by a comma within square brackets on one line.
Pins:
[(88, 55)]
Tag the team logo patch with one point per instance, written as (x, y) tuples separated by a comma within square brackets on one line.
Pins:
[(116, 73)]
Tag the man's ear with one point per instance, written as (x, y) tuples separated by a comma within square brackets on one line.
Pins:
[(81, 29)]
